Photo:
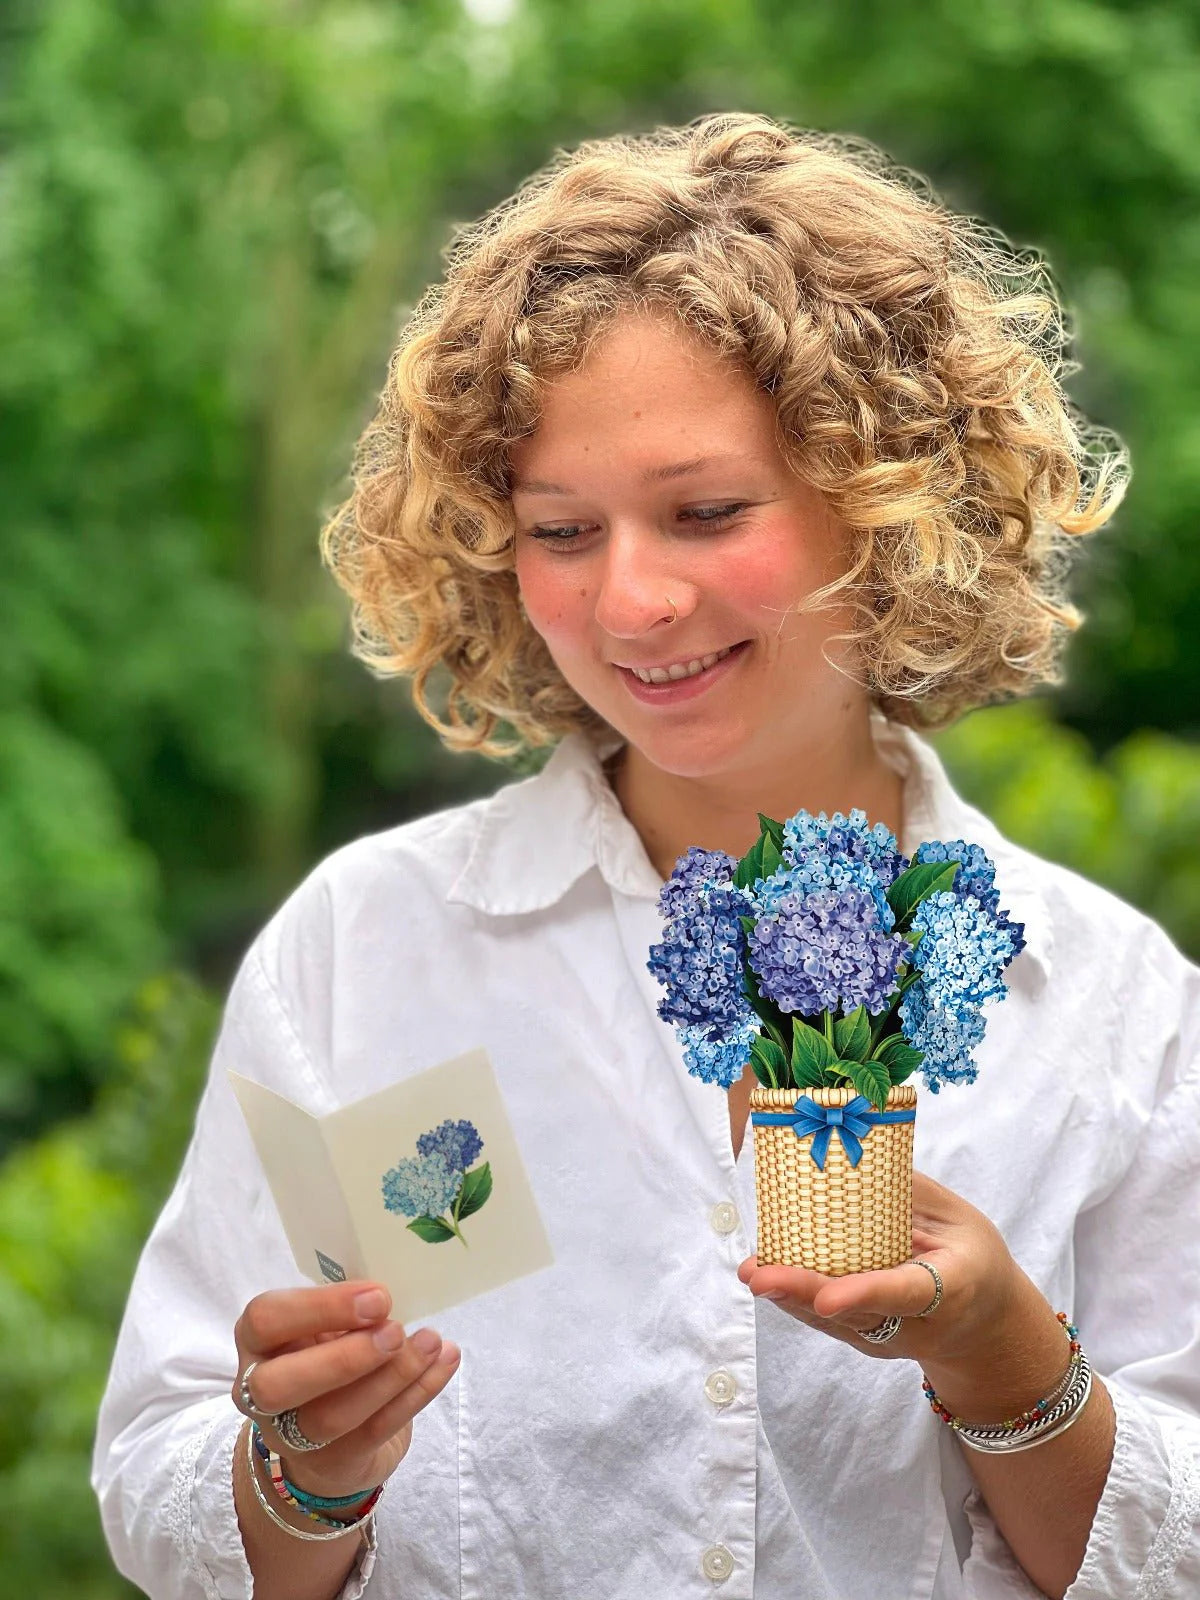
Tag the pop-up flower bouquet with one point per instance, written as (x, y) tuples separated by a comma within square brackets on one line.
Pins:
[(838, 969)]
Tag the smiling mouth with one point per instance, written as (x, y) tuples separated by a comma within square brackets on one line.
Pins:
[(681, 669)]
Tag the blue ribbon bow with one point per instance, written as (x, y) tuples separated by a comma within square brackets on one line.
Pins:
[(852, 1122)]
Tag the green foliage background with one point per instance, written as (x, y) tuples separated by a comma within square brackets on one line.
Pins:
[(214, 216)]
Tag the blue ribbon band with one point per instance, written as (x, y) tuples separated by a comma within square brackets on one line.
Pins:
[(852, 1123)]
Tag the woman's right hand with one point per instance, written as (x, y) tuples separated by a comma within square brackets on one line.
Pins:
[(354, 1379)]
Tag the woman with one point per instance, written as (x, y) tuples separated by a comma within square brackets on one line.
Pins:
[(725, 459)]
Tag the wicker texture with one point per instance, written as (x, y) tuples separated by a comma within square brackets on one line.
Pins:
[(840, 1219)]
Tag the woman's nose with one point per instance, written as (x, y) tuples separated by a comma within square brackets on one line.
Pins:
[(638, 590)]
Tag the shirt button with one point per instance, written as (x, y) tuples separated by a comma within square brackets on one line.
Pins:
[(724, 1217), (717, 1563), (720, 1388)]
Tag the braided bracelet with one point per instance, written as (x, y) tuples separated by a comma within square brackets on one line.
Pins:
[(366, 1502), (1053, 1414)]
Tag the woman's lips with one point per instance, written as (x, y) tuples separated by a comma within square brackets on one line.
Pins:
[(683, 688)]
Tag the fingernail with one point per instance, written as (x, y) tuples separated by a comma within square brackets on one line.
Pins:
[(451, 1354), (389, 1337), (426, 1342), (774, 1294), (370, 1305)]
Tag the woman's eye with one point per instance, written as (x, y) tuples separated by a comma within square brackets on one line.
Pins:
[(707, 515), (715, 513)]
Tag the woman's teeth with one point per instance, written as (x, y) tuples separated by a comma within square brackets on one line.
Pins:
[(666, 674)]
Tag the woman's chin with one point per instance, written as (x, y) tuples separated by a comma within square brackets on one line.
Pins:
[(689, 754)]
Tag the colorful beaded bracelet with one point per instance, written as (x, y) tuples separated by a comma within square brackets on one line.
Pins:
[(1027, 1418), (286, 1493)]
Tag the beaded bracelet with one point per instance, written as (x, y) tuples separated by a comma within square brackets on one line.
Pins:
[(289, 1496), (1054, 1413), (364, 1524)]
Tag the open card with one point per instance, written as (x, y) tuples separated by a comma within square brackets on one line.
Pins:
[(420, 1186)]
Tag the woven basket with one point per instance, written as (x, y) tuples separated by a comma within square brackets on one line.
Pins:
[(838, 1219)]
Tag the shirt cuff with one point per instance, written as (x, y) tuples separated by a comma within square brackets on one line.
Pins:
[(1145, 1536), (205, 1526)]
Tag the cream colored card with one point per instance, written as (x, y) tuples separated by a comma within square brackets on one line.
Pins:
[(420, 1186)]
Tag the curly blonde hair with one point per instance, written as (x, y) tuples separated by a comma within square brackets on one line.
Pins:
[(914, 357)]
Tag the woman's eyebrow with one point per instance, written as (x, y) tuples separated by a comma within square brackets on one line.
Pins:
[(663, 474)]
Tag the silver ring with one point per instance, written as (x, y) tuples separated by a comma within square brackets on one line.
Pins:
[(290, 1431), (246, 1399), (937, 1287), (887, 1329)]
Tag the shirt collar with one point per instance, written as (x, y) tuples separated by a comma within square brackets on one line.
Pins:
[(540, 835)]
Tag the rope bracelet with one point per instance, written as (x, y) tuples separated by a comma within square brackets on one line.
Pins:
[(1052, 1415), (257, 1445)]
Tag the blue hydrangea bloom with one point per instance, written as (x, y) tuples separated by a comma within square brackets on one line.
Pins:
[(834, 853), (826, 949), (458, 1142), (700, 959), (963, 950), (976, 876), (420, 1186), (716, 1057), (947, 1038)]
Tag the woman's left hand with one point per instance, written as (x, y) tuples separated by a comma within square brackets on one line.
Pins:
[(981, 1282)]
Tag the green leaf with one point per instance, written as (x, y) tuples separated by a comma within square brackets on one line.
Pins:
[(852, 1035), (432, 1229), (771, 827), (747, 925), (749, 868), (771, 856), (916, 883), (476, 1186), (869, 1078), (811, 1054), (769, 1062), (899, 1057)]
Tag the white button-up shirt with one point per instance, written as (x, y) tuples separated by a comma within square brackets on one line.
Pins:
[(631, 1422)]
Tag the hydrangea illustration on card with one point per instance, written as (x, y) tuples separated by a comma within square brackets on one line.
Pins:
[(836, 968), (440, 1179)]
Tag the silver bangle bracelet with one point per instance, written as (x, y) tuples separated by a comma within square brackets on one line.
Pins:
[(1050, 1407), (282, 1522), (1055, 1421)]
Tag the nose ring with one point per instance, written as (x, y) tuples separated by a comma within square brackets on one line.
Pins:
[(674, 609)]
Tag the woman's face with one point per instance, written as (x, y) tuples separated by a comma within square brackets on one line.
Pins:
[(655, 477)]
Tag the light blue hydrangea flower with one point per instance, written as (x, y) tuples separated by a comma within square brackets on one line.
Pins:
[(965, 946), (458, 1142), (834, 853), (947, 1038), (419, 1186), (718, 1058), (826, 949), (976, 876), (963, 950)]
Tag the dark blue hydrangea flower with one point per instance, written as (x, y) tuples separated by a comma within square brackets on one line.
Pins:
[(826, 949), (420, 1186), (458, 1142), (700, 959)]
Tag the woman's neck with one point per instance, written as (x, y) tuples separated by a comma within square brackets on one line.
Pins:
[(718, 812)]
